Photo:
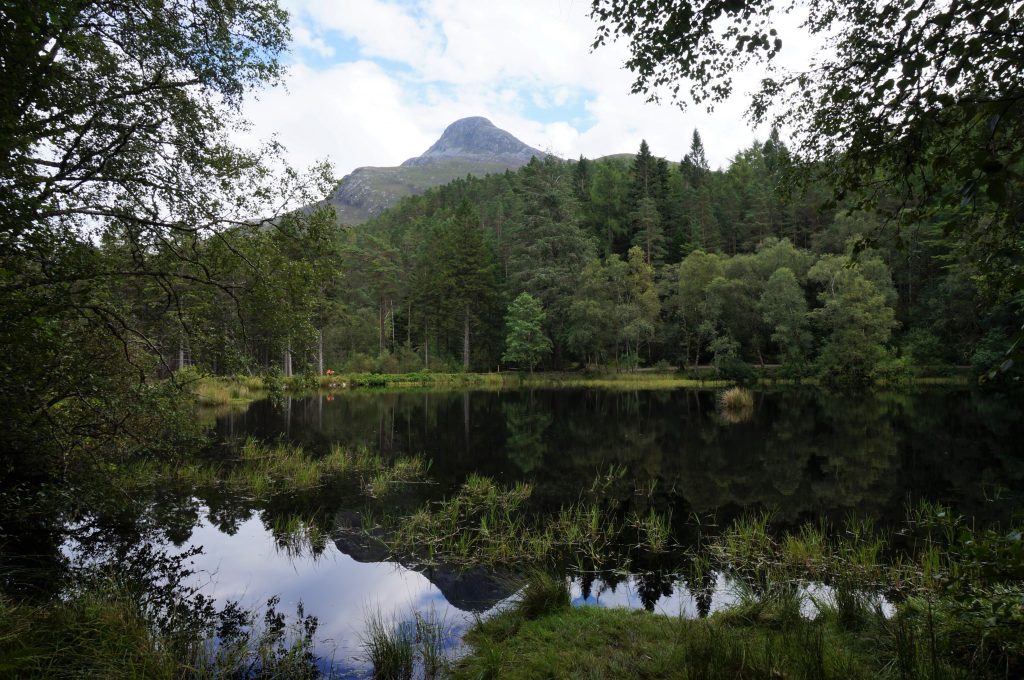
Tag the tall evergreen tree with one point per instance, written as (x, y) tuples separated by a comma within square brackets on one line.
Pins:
[(550, 248), (644, 176), (466, 273), (695, 163)]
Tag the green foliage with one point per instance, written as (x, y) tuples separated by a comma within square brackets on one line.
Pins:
[(126, 207), (856, 319), (526, 344), (929, 126), (785, 311), (737, 370)]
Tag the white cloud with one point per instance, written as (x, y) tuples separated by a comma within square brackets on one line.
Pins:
[(305, 38), (425, 63)]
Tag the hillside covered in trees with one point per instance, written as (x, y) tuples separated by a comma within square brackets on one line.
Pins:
[(635, 261)]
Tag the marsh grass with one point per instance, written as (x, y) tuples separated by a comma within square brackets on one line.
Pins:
[(487, 524), (736, 399), (298, 537), (654, 530), (432, 637), (542, 594), (264, 469), (396, 649), (389, 647), (957, 612), (96, 634), (104, 631), (736, 405), (210, 391)]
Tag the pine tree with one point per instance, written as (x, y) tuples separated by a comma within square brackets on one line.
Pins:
[(695, 163), (644, 176), (550, 249), (466, 273), (647, 197)]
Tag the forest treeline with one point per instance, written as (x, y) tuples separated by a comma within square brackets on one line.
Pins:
[(635, 261)]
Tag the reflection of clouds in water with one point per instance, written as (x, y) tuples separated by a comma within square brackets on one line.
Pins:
[(682, 602), (249, 567), (338, 590), (627, 594)]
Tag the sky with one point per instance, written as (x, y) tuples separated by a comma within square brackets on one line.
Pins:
[(374, 82)]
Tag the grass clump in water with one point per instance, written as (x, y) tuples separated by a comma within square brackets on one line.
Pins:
[(736, 405), (389, 648), (486, 524), (397, 649), (543, 594)]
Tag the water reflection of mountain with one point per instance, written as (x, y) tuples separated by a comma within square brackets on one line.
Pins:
[(472, 590)]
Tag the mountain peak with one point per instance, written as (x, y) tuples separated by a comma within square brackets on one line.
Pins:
[(471, 145), (477, 138)]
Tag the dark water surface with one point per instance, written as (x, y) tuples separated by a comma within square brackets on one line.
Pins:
[(803, 454), (800, 453)]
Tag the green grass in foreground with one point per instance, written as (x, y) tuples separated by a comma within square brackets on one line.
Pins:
[(589, 642), (104, 631), (542, 636)]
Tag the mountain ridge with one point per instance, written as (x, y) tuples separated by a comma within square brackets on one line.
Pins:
[(468, 146)]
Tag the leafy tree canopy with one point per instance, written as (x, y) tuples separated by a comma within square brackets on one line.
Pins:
[(526, 343), (916, 109)]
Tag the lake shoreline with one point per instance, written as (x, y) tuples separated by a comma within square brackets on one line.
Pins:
[(239, 390)]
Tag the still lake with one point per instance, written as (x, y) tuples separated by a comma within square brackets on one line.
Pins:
[(802, 453)]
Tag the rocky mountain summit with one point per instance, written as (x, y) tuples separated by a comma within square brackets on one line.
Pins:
[(476, 138), (469, 146)]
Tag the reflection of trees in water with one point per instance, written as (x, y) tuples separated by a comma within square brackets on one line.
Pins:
[(652, 586), (859, 473), (702, 587), (805, 449), (526, 439), (805, 452)]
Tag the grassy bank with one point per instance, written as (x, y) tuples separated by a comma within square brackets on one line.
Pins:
[(240, 390), (590, 642), (513, 380), (956, 611)]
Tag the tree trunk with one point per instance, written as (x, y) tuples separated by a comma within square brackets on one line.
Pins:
[(320, 351), (426, 346), (288, 360), (465, 342)]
